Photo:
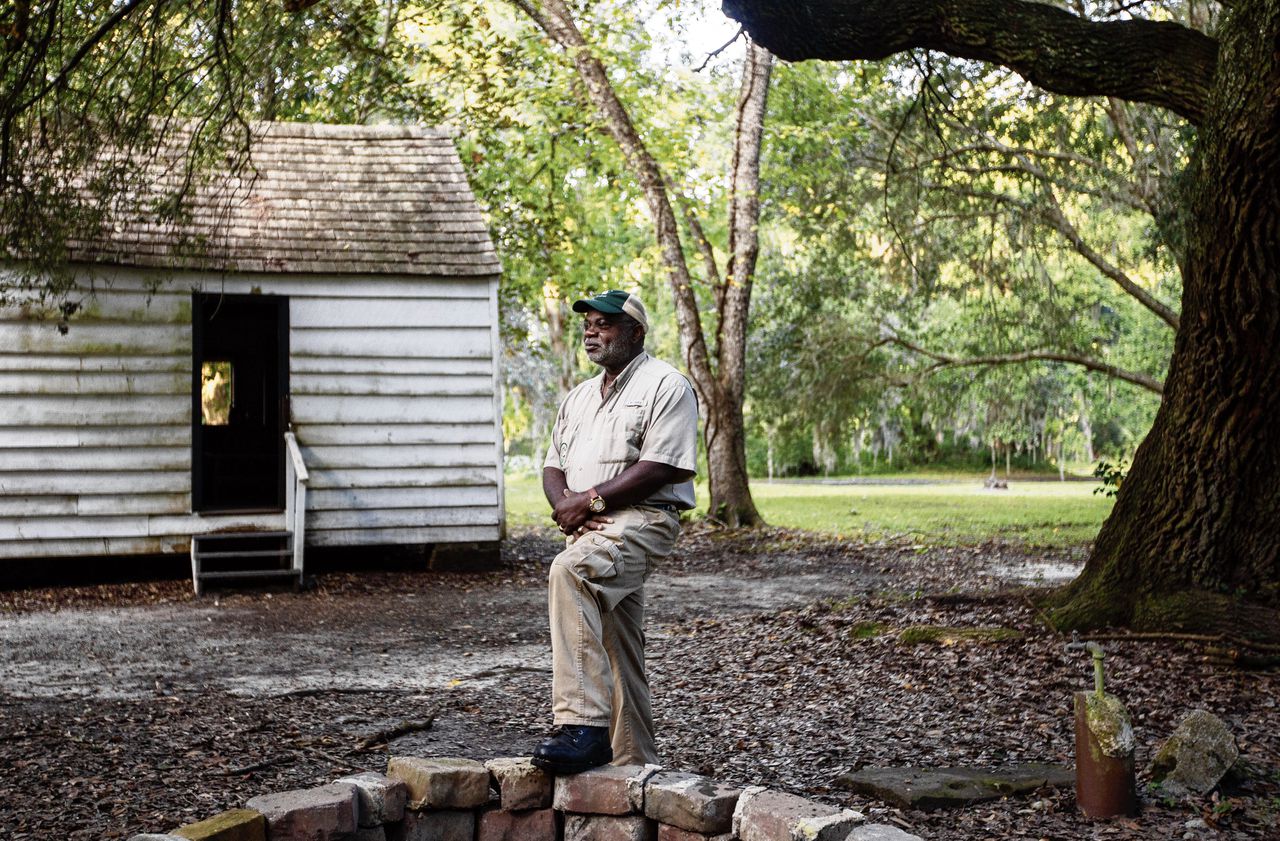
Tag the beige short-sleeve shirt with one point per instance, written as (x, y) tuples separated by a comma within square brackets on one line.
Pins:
[(650, 413)]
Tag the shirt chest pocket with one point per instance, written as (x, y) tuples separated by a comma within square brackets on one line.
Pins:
[(624, 433)]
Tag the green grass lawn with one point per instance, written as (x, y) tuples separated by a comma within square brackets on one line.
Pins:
[(946, 511)]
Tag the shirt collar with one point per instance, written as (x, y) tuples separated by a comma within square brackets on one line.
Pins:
[(620, 381)]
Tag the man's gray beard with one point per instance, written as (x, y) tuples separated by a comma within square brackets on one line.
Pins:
[(612, 354)]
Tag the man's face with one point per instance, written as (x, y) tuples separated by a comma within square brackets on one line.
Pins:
[(608, 343)]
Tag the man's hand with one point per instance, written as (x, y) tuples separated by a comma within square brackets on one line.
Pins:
[(574, 516)]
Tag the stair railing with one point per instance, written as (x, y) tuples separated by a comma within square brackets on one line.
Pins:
[(295, 498)]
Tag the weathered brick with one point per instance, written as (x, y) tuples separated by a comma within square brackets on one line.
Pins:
[(764, 815), (690, 802), (607, 790), (448, 825), (313, 814), (232, 825), (609, 828), (380, 798), (441, 782), (666, 832), (636, 786), (501, 825), (520, 785)]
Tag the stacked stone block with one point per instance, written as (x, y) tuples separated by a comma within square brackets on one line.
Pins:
[(449, 799)]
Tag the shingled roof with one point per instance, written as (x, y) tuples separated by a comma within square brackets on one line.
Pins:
[(314, 199)]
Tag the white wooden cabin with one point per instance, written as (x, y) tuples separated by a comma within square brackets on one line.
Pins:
[(346, 289)]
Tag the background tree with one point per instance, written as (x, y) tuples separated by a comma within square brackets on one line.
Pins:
[(1194, 539), (898, 216), (558, 202), (714, 355)]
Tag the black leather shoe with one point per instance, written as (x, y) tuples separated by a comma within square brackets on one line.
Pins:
[(573, 749)]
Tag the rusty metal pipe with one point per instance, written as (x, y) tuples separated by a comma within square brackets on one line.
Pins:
[(1105, 785)]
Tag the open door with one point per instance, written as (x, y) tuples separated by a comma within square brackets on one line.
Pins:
[(239, 411)]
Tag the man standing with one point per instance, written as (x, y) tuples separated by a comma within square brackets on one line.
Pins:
[(620, 468)]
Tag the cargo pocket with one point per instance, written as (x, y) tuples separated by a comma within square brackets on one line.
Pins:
[(597, 556)]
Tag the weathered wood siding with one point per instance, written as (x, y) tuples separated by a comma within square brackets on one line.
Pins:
[(393, 386), (95, 429), (393, 406)]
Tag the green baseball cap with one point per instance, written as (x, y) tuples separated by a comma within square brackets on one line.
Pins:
[(613, 302)]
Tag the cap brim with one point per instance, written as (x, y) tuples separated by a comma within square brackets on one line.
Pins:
[(599, 306)]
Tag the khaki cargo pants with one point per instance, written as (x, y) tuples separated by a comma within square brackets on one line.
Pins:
[(596, 602)]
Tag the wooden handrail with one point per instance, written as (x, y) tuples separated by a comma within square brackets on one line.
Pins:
[(295, 456), (295, 504)]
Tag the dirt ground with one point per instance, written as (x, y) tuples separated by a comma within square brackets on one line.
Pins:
[(775, 658)]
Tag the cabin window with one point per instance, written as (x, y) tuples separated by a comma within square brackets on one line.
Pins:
[(216, 393)]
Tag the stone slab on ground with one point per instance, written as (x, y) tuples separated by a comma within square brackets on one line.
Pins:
[(381, 799), (520, 785), (607, 790), (325, 813), (945, 788), (691, 802), (1195, 758), (154, 836), (766, 815), (444, 825), (232, 825), (501, 825), (880, 832), (609, 828), (441, 782)]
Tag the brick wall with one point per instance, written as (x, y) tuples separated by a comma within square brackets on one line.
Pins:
[(447, 799)]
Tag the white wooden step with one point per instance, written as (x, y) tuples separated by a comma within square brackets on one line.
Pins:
[(221, 548)]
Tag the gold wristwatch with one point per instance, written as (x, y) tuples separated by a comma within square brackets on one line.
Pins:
[(597, 504)]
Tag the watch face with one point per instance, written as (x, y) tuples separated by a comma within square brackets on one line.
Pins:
[(597, 504)]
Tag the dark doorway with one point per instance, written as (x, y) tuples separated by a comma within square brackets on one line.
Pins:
[(241, 373)]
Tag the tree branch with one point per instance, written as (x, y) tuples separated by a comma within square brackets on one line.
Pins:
[(104, 29), (700, 240), (714, 53), (1054, 216), (1158, 62), (16, 32), (942, 361), (985, 144), (1051, 211)]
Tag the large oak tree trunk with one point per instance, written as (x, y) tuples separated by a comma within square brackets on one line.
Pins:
[(1196, 527)]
